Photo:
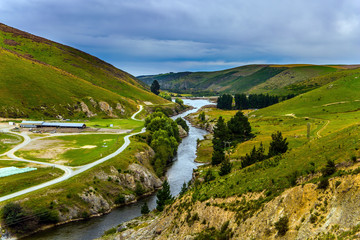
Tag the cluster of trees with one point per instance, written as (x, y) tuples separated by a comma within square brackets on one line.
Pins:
[(278, 145), (163, 138), (237, 129), (243, 101), (22, 220)]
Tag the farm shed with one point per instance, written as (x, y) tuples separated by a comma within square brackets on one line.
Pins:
[(63, 125), (31, 124)]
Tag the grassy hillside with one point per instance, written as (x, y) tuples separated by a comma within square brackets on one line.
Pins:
[(272, 79), (293, 184), (43, 78)]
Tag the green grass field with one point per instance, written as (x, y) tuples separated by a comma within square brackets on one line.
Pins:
[(17, 182), (117, 123), (74, 150), (8, 140)]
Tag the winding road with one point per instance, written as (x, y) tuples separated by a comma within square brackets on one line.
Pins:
[(68, 171)]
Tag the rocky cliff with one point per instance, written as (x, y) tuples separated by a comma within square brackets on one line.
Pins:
[(312, 213)]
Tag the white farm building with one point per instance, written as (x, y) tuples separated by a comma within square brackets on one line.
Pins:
[(41, 124)]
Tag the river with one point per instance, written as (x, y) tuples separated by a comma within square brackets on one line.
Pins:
[(179, 172)]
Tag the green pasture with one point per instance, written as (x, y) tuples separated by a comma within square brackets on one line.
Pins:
[(117, 123), (79, 149), (17, 182), (8, 140)]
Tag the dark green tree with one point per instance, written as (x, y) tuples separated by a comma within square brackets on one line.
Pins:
[(155, 87), (163, 196), (225, 167), (183, 190), (239, 127), (218, 155), (225, 101), (221, 131), (145, 209), (209, 176), (278, 145), (329, 169), (221, 135), (202, 116)]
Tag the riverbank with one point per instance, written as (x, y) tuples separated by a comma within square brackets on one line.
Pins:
[(179, 172)]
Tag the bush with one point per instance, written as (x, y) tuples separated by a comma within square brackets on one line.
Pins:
[(179, 101), (139, 190), (145, 209), (182, 123), (324, 183), (329, 169), (282, 226), (120, 199)]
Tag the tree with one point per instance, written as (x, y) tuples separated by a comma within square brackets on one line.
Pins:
[(278, 145), (155, 87), (182, 123), (221, 131), (241, 101), (225, 167), (225, 101), (163, 196), (179, 101), (202, 116), (329, 169), (145, 209), (221, 135), (183, 189), (218, 155), (239, 127)]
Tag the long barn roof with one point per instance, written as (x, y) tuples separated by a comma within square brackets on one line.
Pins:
[(45, 124)]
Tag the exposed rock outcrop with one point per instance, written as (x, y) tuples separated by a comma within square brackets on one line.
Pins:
[(312, 213)]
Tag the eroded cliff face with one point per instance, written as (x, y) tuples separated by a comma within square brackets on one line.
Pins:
[(312, 213)]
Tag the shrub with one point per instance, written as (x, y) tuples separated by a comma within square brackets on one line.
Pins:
[(139, 190), (329, 169), (282, 226), (324, 183), (145, 209), (120, 199)]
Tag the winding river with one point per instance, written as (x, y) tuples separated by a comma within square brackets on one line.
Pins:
[(178, 173)]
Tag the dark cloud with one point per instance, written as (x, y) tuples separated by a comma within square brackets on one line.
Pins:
[(150, 36)]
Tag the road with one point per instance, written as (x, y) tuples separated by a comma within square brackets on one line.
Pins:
[(68, 171)]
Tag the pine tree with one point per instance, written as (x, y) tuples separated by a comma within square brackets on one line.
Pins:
[(163, 196), (145, 209), (183, 189), (155, 87), (278, 145), (239, 127), (225, 167)]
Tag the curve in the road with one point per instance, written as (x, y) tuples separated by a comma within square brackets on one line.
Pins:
[(68, 171)]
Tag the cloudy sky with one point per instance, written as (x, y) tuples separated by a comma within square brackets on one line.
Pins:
[(158, 36)]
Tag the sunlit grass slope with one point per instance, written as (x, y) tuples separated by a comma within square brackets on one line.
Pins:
[(36, 71)]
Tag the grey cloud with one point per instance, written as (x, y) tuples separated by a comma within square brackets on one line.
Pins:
[(182, 34)]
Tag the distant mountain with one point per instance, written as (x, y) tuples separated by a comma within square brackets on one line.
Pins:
[(42, 78), (272, 79)]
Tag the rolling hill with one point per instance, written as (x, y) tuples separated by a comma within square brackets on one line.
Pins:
[(272, 79), (42, 78)]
